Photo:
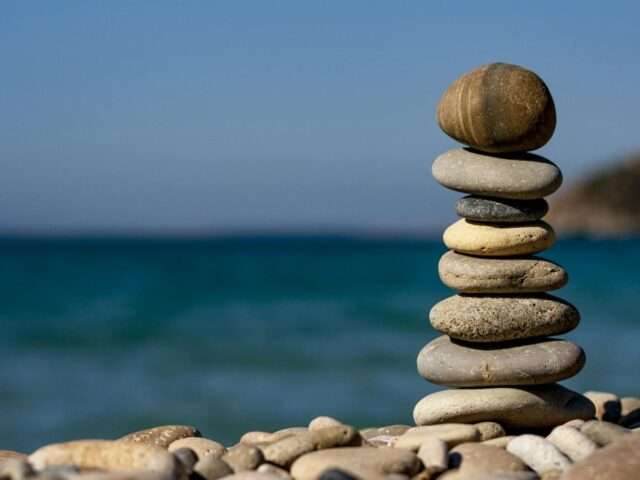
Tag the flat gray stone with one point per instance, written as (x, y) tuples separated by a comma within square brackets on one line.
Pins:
[(522, 176), (503, 318), (525, 407), (469, 274), (494, 210), (447, 362)]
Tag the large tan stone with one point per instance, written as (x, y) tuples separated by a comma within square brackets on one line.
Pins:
[(498, 240), (357, 461), (531, 407), (450, 433), (105, 455), (202, 446), (161, 436), (619, 460)]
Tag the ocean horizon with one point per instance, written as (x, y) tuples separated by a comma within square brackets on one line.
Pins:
[(105, 335)]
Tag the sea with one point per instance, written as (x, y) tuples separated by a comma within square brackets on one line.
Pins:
[(103, 336)]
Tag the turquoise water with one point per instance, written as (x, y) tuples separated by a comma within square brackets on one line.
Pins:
[(101, 337)]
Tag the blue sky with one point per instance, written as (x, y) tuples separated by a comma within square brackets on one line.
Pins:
[(216, 116)]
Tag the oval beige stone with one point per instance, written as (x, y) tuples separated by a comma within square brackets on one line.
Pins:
[(105, 455), (202, 446), (503, 318), (162, 436), (444, 361), (498, 107), (359, 461), (532, 407), (617, 461), (469, 274), (517, 177), (450, 433), (498, 240), (479, 458)]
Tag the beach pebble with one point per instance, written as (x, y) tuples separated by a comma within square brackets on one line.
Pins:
[(285, 451), (281, 473), (479, 459), (469, 274), (618, 461), (211, 468), (603, 433), (202, 446), (383, 440), (390, 430), (575, 423), (357, 461), (322, 422), (14, 468), (434, 454), (515, 177), (499, 319), (501, 210), (249, 475), (498, 107), (573, 443), (450, 433), (333, 436), (161, 436), (458, 475), (489, 430), (537, 452), (243, 457), (444, 361), (106, 455), (526, 407), (337, 474), (608, 407), (498, 240), (630, 411), (500, 442)]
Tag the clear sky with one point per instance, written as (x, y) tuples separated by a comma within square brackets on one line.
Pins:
[(222, 115)]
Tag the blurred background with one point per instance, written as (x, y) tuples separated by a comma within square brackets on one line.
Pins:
[(221, 213)]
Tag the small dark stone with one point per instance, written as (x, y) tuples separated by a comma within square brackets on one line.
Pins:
[(336, 474), (493, 210), (187, 458)]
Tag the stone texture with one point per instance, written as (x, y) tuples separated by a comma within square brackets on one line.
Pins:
[(617, 461), (211, 468), (334, 436), (501, 210), (243, 457), (187, 458), (489, 430), (321, 422), (202, 446), (532, 407), (501, 442), (275, 471), (161, 436), (458, 475), (498, 107), (434, 454), (608, 407), (105, 455), (503, 318), (391, 430), (10, 454), (498, 240), (573, 443), (478, 459), (518, 177), (444, 361), (537, 452), (356, 461), (450, 433), (603, 433), (285, 451), (469, 274)]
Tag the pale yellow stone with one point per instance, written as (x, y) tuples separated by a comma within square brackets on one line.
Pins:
[(202, 446), (498, 240)]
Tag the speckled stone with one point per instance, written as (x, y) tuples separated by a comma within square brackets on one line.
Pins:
[(161, 436), (498, 107), (498, 240), (572, 442), (539, 453), (525, 407), (106, 455), (516, 176), (447, 362), (503, 318), (494, 210), (202, 446), (469, 274), (477, 458)]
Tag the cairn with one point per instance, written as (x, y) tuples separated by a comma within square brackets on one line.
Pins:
[(496, 348)]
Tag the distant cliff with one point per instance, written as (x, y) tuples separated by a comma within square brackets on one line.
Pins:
[(605, 203)]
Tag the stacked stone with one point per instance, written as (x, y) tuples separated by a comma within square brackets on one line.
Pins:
[(495, 347)]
